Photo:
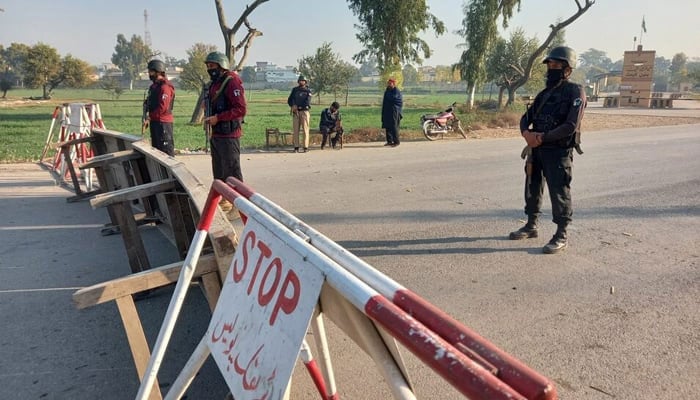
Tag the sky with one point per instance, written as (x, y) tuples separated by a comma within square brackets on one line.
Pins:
[(294, 29)]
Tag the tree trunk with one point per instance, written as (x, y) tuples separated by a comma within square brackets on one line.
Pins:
[(501, 89), (470, 96), (198, 112), (511, 95)]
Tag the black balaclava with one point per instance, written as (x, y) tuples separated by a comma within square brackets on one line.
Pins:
[(214, 73), (554, 76)]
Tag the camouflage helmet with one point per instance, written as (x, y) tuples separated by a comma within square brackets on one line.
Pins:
[(302, 78), (218, 58), (562, 53), (156, 65)]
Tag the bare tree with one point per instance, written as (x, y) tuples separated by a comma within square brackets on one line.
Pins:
[(230, 33), (230, 48), (555, 28)]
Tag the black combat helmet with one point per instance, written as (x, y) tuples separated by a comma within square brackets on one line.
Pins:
[(156, 65), (562, 53), (218, 58)]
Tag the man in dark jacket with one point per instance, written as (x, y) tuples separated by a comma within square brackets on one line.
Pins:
[(331, 121), (227, 108), (159, 108), (551, 129), (391, 113), (300, 103)]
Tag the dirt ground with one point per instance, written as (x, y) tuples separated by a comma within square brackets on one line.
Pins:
[(598, 122), (591, 122)]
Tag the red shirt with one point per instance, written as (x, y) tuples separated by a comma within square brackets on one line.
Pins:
[(231, 104), (161, 95)]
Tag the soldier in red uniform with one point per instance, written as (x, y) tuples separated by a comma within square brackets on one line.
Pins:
[(159, 108), (226, 110)]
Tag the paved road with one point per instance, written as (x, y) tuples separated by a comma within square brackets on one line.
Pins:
[(50, 248), (432, 215)]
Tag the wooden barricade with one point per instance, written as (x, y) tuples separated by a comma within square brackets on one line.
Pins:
[(140, 185)]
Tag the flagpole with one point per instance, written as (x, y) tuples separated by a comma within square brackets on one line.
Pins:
[(641, 30)]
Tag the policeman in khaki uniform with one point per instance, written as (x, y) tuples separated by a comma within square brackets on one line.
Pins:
[(551, 127)]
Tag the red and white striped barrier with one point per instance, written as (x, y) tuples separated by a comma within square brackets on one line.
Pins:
[(507, 368), (450, 349), (462, 372)]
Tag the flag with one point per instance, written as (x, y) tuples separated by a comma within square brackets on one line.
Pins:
[(644, 25)]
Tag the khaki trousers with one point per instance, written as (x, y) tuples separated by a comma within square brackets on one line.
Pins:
[(300, 122)]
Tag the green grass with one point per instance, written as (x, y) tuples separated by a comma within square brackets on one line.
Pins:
[(24, 124)]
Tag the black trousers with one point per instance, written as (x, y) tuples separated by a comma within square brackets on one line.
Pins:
[(326, 131), (553, 166), (162, 137), (225, 158), (392, 134)]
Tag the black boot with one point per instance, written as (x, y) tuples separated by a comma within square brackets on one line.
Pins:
[(527, 231), (557, 243)]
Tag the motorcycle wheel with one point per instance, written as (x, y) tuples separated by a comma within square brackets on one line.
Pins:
[(430, 130), (458, 127)]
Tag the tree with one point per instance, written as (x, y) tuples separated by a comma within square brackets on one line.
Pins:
[(595, 58), (325, 70), (229, 33), (410, 74), (131, 56), (678, 68), (369, 67), (472, 62), (44, 68), (389, 30), (344, 74), (14, 58), (506, 61), (194, 73), (479, 27)]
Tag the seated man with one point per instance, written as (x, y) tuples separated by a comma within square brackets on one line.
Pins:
[(331, 122)]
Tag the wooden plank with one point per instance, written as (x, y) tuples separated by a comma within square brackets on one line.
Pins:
[(65, 150), (139, 282), (135, 249), (68, 143), (132, 193), (211, 285), (177, 223), (137, 340), (111, 158)]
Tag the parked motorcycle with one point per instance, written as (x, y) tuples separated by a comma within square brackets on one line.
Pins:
[(436, 125)]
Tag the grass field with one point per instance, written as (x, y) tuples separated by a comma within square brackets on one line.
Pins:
[(24, 124)]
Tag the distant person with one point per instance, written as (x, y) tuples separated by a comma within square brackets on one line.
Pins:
[(227, 108), (300, 102), (392, 106), (331, 121), (158, 108), (551, 127)]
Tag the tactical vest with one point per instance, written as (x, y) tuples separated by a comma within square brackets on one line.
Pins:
[(554, 111)]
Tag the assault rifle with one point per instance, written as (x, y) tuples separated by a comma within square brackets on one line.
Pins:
[(207, 113), (144, 114)]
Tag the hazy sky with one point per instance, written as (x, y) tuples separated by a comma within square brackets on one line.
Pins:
[(293, 29)]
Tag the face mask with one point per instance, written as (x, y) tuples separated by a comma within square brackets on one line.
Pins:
[(554, 76), (214, 74)]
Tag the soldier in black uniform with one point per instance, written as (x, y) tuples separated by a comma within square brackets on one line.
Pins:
[(551, 128)]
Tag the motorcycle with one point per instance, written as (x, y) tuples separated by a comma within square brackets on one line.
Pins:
[(436, 125)]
